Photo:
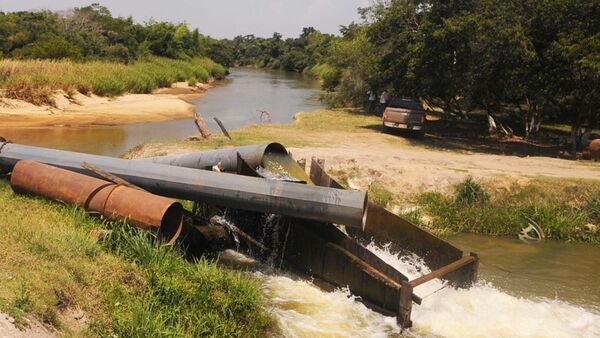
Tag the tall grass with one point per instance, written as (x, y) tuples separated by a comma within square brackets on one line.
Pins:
[(35, 81), (562, 208), (127, 285), (179, 298)]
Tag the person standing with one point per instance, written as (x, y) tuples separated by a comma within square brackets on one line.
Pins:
[(384, 98), (370, 101)]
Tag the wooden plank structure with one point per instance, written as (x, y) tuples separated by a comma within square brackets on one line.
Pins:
[(323, 251), (446, 261)]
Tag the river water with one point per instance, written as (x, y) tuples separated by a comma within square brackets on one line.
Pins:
[(235, 102), (547, 289)]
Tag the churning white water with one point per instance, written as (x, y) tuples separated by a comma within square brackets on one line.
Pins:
[(484, 311), (303, 310)]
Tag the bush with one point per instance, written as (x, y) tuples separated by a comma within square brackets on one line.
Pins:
[(470, 192), (329, 75)]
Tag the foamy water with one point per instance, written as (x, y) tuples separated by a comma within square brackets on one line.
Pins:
[(484, 311), (303, 310)]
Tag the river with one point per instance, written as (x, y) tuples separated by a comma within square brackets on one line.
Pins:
[(548, 289), (235, 101)]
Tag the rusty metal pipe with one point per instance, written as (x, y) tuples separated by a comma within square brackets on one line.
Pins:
[(114, 202), (222, 189), (252, 155)]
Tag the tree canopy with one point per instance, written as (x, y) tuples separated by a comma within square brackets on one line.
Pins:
[(91, 32), (530, 60)]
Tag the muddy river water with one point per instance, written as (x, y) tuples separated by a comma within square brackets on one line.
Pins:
[(236, 101), (548, 289)]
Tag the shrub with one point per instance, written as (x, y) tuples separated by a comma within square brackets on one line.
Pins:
[(329, 75), (469, 191)]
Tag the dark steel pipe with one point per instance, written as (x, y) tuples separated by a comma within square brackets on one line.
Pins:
[(252, 154), (228, 190), (115, 202)]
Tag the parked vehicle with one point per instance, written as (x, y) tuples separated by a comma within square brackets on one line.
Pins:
[(405, 114)]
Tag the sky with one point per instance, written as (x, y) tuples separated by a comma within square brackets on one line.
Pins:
[(222, 18)]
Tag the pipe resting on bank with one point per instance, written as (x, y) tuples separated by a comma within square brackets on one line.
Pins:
[(139, 208)]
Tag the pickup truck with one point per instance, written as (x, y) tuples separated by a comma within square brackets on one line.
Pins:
[(405, 114)]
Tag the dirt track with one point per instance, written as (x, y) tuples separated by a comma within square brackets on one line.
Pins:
[(405, 170)]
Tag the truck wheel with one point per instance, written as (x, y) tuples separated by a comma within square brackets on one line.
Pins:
[(385, 129)]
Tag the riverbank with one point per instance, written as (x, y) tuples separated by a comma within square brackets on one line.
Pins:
[(55, 272), (398, 170), (42, 93), (80, 110)]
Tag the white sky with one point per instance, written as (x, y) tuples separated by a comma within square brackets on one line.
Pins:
[(222, 18)]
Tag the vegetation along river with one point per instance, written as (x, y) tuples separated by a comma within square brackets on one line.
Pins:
[(526, 289), (236, 102)]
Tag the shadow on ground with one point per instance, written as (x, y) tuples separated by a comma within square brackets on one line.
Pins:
[(472, 136)]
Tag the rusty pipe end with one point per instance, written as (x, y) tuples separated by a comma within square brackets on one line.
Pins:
[(171, 223)]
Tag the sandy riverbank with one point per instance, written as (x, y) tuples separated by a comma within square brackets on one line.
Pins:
[(81, 110)]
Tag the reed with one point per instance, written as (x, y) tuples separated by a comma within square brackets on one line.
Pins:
[(37, 81)]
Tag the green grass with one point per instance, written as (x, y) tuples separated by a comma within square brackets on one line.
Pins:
[(127, 285), (36, 81), (562, 208), (379, 195), (470, 192)]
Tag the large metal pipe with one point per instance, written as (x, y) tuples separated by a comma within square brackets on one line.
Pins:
[(228, 190), (114, 202), (252, 154)]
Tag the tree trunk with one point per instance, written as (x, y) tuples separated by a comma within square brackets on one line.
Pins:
[(202, 127)]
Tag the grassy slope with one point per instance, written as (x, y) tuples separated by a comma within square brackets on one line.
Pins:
[(50, 265), (563, 208), (36, 81)]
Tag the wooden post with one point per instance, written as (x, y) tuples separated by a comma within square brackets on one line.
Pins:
[(474, 268), (202, 127), (404, 312), (222, 128), (302, 163)]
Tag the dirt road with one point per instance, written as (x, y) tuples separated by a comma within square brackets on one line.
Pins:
[(405, 170)]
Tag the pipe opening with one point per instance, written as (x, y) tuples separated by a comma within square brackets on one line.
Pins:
[(171, 223), (275, 148)]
